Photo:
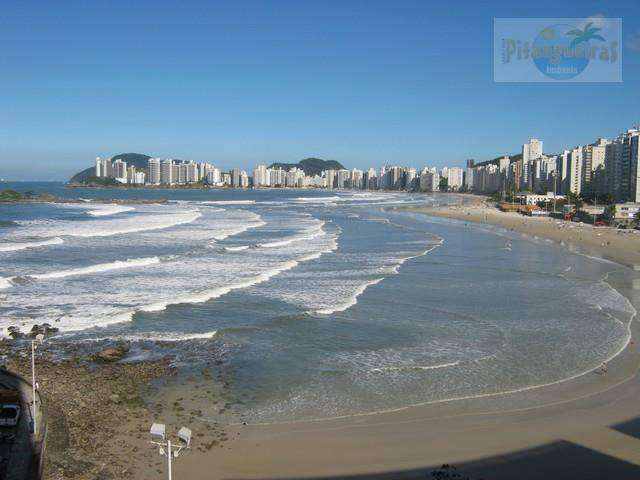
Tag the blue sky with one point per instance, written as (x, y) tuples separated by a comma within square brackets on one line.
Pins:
[(238, 83)]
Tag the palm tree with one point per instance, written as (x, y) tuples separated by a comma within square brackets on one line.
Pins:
[(589, 33)]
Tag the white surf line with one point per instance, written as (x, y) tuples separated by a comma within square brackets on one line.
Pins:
[(5, 283), (15, 246), (186, 217), (232, 232), (99, 268), (415, 367), (172, 337), (237, 249), (227, 202), (217, 292), (396, 268), (353, 300), (109, 209), (308, 234)]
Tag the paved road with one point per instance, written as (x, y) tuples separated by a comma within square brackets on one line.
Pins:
[(26, 452)]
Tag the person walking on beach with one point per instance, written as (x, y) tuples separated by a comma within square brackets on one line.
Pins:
[(603, 368)]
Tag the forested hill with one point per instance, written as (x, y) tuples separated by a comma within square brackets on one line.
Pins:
[(138, 160), (311, 166)]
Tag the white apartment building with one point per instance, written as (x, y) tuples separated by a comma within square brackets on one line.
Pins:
[(593, 171), (261, 176), (622, 167), (531, 150), (166, 172), (244, 179), (154, 171), (342, 178), (429, 180), (575, 170), (356, 178), (330, 176), (455, 178)]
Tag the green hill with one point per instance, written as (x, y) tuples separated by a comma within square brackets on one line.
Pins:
[(311, 166), (138, 160), (512, 158)]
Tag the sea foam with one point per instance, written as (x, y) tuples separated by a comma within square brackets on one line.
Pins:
[(100, 268), (107, 210), (15, 246), (351, 301)]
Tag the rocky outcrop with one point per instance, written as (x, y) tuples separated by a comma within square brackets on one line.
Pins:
[(112, 354)]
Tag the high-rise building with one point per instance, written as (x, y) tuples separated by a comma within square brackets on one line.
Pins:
[(330, 176), (101, 170), (622, 167), (356, 178), (192, 172), (154, 171), (455, 178), (429, 180), (260, 176), (575, 170), (593, 168), (235, 177), (410, 179), (119, 168), (342, 178), (166, 172), (531, 150), (213, 176), (244, 179)]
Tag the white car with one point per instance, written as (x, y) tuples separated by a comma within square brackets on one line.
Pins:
[(9, 414)]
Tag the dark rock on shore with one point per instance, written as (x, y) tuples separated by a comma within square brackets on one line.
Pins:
[(14, 332), (112, 354), (45, 329)]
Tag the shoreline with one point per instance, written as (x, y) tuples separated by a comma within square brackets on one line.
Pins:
[(485, 436), (620, 246), (493, 435)]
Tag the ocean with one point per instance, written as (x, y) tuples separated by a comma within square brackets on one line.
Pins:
[(316, 304)]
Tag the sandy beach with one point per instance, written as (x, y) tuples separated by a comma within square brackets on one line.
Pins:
[(622, 246)]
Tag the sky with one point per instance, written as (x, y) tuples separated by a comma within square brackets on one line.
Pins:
[(240, 83)]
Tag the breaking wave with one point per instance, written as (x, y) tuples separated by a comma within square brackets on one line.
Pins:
[(13, 247), (103, 267), (107, 210)]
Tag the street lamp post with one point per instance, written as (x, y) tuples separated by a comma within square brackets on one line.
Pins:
[(39, 339), (172, 451), (555, 186)]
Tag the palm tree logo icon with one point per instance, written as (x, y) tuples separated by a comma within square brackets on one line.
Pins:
[(563, 56), (583, 36)]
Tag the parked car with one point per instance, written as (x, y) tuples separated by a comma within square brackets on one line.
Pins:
[(9, 408)]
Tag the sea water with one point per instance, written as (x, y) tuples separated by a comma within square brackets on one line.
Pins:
[(318, 303)]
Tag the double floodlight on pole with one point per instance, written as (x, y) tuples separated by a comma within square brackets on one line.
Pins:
[(158, 430), (34, 386)]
